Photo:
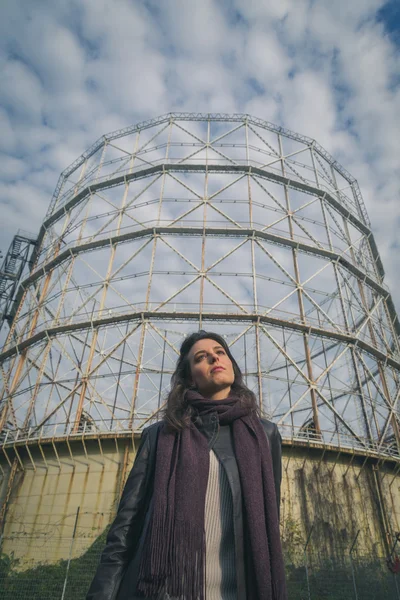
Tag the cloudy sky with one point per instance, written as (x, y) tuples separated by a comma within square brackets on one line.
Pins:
[(72, 71)]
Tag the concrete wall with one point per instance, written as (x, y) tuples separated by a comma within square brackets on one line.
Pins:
[(337, 496), (334, 497), (43, 506)]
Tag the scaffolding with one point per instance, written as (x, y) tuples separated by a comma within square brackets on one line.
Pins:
[(16, 261)]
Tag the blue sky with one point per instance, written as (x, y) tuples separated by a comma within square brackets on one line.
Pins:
[(72, 71)]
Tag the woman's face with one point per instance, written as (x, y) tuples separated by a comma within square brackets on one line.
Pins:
[(211, 369)]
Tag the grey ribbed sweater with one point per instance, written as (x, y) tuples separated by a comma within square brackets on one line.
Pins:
[(220, 576)]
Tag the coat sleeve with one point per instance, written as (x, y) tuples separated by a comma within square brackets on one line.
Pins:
[(277, 462), (123, 534)]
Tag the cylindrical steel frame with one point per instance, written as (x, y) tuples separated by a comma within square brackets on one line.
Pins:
[(223, 222)]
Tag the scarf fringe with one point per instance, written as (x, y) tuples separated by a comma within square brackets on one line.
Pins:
[(178, 570)]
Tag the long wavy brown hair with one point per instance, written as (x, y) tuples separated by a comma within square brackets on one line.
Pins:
[(178, 413)]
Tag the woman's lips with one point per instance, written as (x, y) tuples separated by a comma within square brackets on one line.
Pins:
[(217, 369)]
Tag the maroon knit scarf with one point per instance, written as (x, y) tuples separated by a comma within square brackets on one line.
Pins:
[(173, 557)]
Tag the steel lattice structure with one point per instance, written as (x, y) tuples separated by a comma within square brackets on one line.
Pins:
[(224, 222), (11, 271)]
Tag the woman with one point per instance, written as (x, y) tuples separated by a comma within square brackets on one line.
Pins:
[(199, 515)]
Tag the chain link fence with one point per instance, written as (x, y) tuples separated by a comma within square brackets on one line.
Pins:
[(314, 577), (309, 577), (43, 577)]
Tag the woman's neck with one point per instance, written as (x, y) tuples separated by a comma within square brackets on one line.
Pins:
[(218, 394)]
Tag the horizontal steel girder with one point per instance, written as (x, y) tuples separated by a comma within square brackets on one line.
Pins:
[(185, 316), (186, 116), (238, 169), (215, 231)]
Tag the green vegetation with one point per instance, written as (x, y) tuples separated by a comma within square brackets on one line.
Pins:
[(46, 581), (332, 581), (328, 579)]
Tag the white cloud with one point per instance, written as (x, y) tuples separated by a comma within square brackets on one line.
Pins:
[(21, 91), (12, 168), (198, 29), (23, 207), (265, 58), (74, 71), (255, 11), (308, 89), (7, 135)]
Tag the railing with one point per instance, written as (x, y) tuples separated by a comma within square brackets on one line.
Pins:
[(338, 440), (116, 427), (27, 234)]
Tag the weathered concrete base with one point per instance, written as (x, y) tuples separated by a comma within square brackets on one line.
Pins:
[(44, 503), (336, 499), (329, 498)]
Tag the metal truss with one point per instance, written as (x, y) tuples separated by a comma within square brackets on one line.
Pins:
[(14, 265), (224, 222)]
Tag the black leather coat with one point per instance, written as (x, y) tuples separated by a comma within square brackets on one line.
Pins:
[(117, 572)]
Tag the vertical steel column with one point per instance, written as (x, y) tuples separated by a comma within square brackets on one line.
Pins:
[(300, 297), (258, 354), (203, 239), (137, 374), (22, 356), (100, 311)]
